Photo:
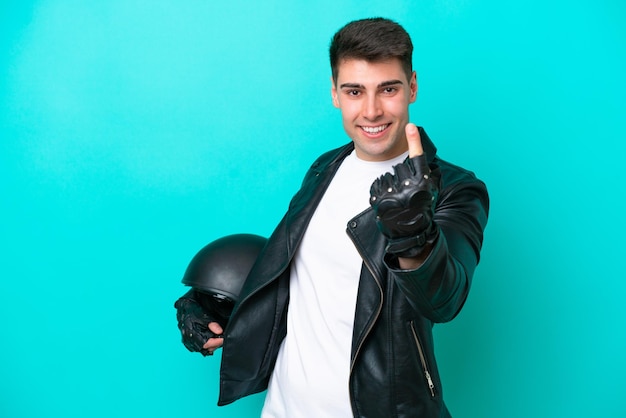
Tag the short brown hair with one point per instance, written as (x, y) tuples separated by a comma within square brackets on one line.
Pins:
[(373, 40)]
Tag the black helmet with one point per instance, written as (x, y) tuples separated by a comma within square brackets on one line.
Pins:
[(221, 267)]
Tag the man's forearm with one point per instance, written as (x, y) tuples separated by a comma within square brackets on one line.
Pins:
[(414, 263)]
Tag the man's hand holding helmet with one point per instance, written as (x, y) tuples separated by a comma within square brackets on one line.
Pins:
[(199, 329), (216, 274)]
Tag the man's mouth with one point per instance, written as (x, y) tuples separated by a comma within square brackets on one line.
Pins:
[(373, 130)]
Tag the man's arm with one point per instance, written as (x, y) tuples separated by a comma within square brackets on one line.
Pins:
[(439, 287), (434, 220)]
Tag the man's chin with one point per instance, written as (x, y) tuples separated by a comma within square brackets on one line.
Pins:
[(375, 153)]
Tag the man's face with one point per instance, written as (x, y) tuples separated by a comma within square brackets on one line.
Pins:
[(374, 100)]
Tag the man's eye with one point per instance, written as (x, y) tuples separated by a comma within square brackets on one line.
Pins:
[(390, 90), (353, 92)]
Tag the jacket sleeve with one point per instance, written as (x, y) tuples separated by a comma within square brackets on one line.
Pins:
[(439, 287)]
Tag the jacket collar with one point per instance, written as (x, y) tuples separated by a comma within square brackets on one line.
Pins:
[(429, 148)]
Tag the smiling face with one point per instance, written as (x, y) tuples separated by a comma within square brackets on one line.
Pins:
[(374, 100)]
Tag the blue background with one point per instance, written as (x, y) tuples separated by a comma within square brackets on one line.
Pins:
[(134, 132)]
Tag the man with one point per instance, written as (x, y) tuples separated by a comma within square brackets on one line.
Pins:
[(335, 319)]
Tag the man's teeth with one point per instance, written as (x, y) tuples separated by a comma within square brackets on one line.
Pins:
[(374, 129)]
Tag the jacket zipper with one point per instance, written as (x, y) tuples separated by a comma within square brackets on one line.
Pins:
[(380, 289), (358, 349), (420, 351)]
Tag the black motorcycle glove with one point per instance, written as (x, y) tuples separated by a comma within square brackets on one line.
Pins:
[(404, 203), (193, 322)]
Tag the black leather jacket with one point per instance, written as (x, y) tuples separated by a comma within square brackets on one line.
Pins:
[(393, 371)]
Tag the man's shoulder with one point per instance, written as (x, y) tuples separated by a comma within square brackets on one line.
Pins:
[(334, 154), (455, 177)]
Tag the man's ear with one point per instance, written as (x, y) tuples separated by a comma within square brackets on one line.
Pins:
[(333, 92), (413, 87)]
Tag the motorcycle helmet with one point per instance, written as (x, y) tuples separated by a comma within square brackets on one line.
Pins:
[(220, 268)]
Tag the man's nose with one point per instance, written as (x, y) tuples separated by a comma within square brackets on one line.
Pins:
[(372, 108)]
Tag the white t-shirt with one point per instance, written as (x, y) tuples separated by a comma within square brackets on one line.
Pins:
[(312, 370)]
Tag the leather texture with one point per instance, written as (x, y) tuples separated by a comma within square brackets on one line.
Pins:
[(404, 203)]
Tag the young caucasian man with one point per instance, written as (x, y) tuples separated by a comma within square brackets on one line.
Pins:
[(381, 242)]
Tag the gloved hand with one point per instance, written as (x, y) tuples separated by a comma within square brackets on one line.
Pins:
[(404, 203), (193, 323)]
